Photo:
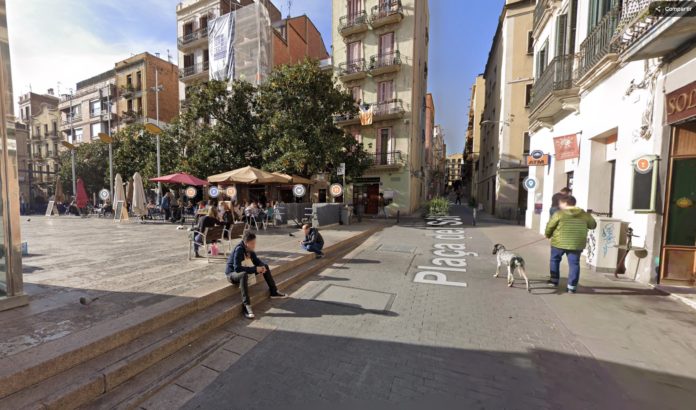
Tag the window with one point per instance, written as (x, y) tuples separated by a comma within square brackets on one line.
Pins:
[(55, 127), (139, 80), (78, 135), (356, 92), (385, 91), (129, 105), (203, 22), (385, 147), (542, 59), (188, 28), (355, 132), (45, 129), (598, 9), (386, 44), (354, 7), (188, 60), (561, 35), (530, 42), (129, 80), (95, 129), (527, 143), (354, 51), (38, 131), (528, 94), (94, 108)]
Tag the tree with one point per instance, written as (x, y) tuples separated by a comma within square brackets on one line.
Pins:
[(218, 128), (296, 106), (135, 150), (91, 164)]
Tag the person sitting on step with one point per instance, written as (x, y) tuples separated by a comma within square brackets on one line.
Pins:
[(313, 241)]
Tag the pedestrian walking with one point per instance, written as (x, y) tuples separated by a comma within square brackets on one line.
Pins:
[(313, 241), (22, 205), (242, 264), (555, 198), (458, 198), (382, 205), (166, 206), (567, 230)]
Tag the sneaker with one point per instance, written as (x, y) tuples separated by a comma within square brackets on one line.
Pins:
[(279, 295), (198, 256), (572, 291), (319, 256), (248, 313)]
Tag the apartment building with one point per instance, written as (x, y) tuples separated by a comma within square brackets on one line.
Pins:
[(23, 160), (472, 146), (508, 81), (436, 183), (453, 171), (40, 119), (121, 96), (380, 54), (428, 145), (613, 117)]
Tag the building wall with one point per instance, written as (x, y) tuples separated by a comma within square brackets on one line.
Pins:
[(85, 121), (296, 39), (430, 161), (478, 101)]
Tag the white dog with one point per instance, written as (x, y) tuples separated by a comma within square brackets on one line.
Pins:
[(513, 262)]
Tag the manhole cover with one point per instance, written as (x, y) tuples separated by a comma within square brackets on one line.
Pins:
[(397, 248), (356, 298)]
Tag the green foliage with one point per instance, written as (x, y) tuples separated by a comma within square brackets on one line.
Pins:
[(135, 150), (91, 164), (438, 207)]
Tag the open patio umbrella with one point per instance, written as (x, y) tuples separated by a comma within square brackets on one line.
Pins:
[(119, 194), (138, 205), (59, 195), (82, 198), (295, 179), (249, 175), (180, 178)]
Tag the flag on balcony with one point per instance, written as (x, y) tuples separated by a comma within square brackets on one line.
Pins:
[(366, 113)]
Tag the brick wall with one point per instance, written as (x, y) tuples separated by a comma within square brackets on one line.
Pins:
[(169, 96), (303, 40)]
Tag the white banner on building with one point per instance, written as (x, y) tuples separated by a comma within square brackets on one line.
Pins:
[(220, 44)]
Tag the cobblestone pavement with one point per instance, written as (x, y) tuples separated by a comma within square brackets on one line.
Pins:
[(364, 333)]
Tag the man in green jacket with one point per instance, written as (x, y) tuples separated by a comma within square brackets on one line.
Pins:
[(567, 230)]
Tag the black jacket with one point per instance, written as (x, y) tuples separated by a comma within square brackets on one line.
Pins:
[(313, 237), (234, 262), (207, 222)]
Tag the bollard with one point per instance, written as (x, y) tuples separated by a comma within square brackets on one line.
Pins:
[(473, 219), (398, 215)]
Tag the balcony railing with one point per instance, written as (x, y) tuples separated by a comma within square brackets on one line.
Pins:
[(351, 67), (386, 158), (194, 69), (132, 115), (352, 21), (129, 90), (193, 36), (391, 107), (600, 42), (385, 60), (346, 118), (558, 75), (75, 118), (386, 9)]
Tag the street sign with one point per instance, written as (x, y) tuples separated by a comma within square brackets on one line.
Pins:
[(341, 170), (299, 190), (213, 192), (537, 158), (231, 192), (529, 183), (336, 190), (104, 194), (191, 192)]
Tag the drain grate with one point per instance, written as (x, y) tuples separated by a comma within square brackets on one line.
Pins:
[(397, 248), (357, 298)]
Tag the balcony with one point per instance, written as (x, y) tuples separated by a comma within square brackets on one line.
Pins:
[(598, 53), (132, 115), (193, 39), (646, 33), (346, 119), (352, 70), (353, 24), (387, 12), (388, 110), (75, 119), (387, 160), (385, 63), (192, 72), (131, 90), (554, 92), (542, 12)]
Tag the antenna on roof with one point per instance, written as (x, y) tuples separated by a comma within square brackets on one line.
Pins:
[(169, 56), (289, 8)]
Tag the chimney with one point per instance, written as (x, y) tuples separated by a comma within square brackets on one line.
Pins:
[(50, 91)]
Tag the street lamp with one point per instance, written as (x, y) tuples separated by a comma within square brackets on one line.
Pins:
[(155, 129), (106, 139), (71, 147)]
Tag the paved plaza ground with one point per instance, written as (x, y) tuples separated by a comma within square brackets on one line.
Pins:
[(126, 265)]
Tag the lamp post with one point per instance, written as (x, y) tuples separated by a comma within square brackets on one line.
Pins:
[(106, 139), (156, 130), (157, 88), (71, 147)]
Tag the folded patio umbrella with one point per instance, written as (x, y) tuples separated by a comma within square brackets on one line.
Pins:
[(138, 205), (249, 175), (59, 195), (180, 178), (82, 198), (119, 193)]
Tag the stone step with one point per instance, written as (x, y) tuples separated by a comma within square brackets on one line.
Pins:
[(81, 367)]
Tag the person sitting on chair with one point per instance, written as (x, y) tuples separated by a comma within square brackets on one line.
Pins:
[(313, 241), (242, 263), (208, 221)]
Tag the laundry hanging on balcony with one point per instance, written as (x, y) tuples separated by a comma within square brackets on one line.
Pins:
[(366, 113)]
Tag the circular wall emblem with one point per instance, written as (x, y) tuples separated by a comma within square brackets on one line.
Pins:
[(299, 190), (644, 165), (191, 192), (530, 183), (104, 194), (213, 192), (336, 190), (537, 154), (231, 192)]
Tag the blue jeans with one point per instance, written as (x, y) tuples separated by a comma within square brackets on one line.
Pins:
[(573, 263), (314, 247), (197, 242)]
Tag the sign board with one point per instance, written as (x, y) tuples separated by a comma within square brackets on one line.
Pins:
[(51, 208), (537, 158), (231, 192), (566, 147), (644, 164), (299, 190), (191, 192), (104, 194), (680, 104), (341, 170), (530, 183), (336, 190), (120, 212), (213, 192)]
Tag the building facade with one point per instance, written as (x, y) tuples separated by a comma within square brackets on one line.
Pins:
[(453, 171), (613, 118), (472, 146), (438, 164), (84, 113), (508, 81), (428, 145), (380, 54)]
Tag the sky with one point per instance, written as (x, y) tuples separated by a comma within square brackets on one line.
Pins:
[(56, 43)]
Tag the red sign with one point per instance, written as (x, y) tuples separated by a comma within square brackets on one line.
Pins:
[(566, 147), (538, 162), (681, 104)]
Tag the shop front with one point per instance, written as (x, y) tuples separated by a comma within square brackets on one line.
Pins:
[(11, 290), (678, 254)]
